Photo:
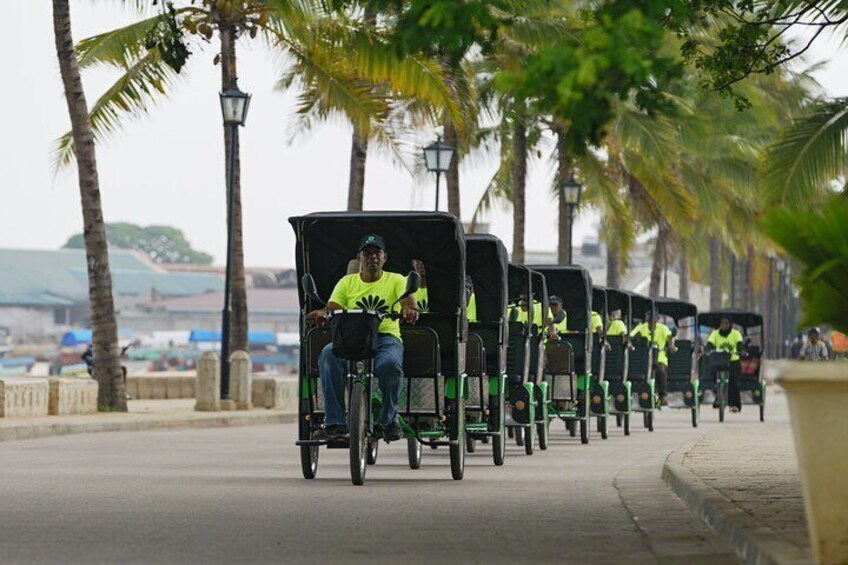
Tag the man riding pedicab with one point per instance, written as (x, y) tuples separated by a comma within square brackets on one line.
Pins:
[(660, 336), (728, 339)]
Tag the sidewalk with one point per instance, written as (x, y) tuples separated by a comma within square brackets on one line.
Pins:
[(742, 479), (142, 415)]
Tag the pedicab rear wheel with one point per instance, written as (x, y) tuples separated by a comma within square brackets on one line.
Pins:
[(627, 424), (373, 448), (470, 444), (618, 420), (519, 437), (584, 431), (571, 427), (648, 418), (413, 451), (602, 427), (762, 412), (358, 434), (498, 448), (457, 451), (528, 439), (309, 460), (694, 417), (510, 433)]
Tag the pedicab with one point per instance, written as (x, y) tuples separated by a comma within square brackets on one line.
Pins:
[(538, 335), (520, 411), (431, 407), (752, 385), (682, 377), (599, 354), (486, 353), (568, 358), (617, 358), (640, 369)]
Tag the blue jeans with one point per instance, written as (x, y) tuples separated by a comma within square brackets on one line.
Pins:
[(388, 368)]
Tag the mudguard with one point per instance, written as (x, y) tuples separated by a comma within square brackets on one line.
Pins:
[(600, 398)]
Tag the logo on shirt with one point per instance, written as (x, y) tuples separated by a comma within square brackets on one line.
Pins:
[(372, 302), (423, 304)]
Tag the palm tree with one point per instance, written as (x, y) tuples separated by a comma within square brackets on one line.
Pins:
[(107, 364)]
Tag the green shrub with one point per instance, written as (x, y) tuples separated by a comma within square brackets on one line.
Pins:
[(819, 241)]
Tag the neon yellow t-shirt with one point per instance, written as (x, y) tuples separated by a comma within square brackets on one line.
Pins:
[(661, 335), (537, 314), (471, 308), (727, 343), (351, 293), (561, 327), (597, 322), (422, 300), (617, 327)]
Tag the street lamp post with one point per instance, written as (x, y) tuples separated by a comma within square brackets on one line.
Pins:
[(437, 158), (571, 192), (234, 106)]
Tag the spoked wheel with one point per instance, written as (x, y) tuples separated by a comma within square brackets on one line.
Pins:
[(413, 450), (358, 434), (373, 448), (648, 418), (309, 460), (694, 417), (627, 424), (470, 444), (528, 439), (584, 431), (543, 431), (618, 420), (602, 427), (457, 452)]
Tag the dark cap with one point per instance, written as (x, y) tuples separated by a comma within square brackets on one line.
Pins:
[(372, 240), (554, 299)]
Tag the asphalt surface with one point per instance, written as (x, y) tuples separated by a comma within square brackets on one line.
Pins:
[(237, 495)]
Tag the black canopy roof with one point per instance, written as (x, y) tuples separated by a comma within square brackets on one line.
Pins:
[(600, 300), (574, 284), (520, 286), (487, 264), (640, 306), (326, 241), (619, 300), (738, 317), (676, 309)]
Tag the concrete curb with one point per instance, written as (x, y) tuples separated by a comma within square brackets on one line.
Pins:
[(143, 422), (755, 542)]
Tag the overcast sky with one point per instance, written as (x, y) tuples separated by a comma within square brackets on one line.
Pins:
[(168, 167)]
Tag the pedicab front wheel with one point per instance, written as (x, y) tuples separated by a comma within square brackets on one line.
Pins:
[(528, 440), (649, 420), (602, 427), (627, 424), (584, 430), (457, 450), (373, 448), (694, 417), (358, 434), (543, 431), (413, 450), (309, 460), (762, 412)]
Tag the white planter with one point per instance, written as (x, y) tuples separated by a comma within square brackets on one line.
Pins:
[(818, 404)]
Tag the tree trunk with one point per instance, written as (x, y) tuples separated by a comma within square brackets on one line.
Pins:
[(356, 184), (238, 285), (107, 360), (563, 172), (613, 265), (452, 176), (716, 300), (519, 203), (684, 274), (660, 260)]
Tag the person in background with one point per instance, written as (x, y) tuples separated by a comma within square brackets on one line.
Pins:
[(660, 336), (616, 326), (559, 320), (597, 323), (815, 348), (470, 300), (421, 296), (727, 338)]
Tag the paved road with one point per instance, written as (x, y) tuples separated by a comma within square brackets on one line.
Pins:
[(236, 495)]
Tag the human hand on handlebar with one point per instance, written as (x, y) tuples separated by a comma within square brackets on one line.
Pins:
[(410, 315), (316, 317)]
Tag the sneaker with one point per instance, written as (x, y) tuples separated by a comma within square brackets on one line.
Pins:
[(394, 431), (329, 433)]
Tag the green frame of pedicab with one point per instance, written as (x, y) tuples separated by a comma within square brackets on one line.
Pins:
[(574, 284), (325, 242), (520, 406), (619, 386), (679, 311), (747, 321), (487, 263), (640, 372)]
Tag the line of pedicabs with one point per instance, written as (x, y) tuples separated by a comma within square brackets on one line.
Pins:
[(496, 350)]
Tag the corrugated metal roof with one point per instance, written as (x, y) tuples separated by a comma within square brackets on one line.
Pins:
[(59, 278)]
